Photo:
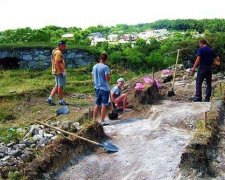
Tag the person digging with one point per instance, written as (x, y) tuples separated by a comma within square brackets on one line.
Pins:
[(119, 100)]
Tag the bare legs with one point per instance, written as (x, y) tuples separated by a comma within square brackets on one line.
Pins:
[(103, 112), (122, 99), (55, 90)]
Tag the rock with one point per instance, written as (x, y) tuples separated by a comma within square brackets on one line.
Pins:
[(21, 146), (75, 127), (37, 137), (11, 162), (2, 155), (3, 148), (32, 145), (29, 142), (15, 153), (48, 135), (41, 132), (53, 138), (43, 142), (27, 155), (5, 158), (65, 125)]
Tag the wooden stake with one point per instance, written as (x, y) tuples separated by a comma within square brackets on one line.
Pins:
[(206, 119)]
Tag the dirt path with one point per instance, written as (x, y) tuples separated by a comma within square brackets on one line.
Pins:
[(149, 148)]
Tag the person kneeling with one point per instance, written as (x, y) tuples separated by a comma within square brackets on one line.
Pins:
[(120, 101)]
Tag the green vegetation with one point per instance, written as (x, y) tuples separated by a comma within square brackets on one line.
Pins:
[(184, 33), (15, 175), (9, 135)]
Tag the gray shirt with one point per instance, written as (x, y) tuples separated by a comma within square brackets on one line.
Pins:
[(117, 91), (99, 72)]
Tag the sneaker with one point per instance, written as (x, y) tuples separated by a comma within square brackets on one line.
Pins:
[(63, 103), (195, 99), (127, 110), (50, 102), (104, 123)]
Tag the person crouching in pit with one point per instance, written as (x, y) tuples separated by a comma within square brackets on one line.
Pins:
[(119, 100)]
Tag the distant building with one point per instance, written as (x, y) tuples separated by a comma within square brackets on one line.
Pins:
[(95, 35), (113, 37), (95, 41), (128, 37), (68, 35), (146, 35)]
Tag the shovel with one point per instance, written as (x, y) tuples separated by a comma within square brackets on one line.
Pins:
[(107, 146), (63, 110), (171, 93)]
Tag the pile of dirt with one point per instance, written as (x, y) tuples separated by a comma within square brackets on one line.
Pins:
[(199, 154), (138, 98), (57, 154)]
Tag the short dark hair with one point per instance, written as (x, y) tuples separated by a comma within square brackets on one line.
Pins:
[(104, 56), (203, 41), (61, 43)]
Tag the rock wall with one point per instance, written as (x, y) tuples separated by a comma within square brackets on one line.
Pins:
[(41, 58)]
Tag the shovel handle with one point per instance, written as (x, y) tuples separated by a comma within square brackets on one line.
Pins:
[(174, 74), (69, 133)]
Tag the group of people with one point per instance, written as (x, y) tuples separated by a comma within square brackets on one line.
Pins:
[(101, 77)]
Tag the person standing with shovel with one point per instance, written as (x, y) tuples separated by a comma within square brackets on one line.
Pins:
[(204, 60)]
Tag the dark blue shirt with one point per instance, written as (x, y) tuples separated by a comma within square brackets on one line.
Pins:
[(207, 56)]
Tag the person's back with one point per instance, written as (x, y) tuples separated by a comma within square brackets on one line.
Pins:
[(207, 56), (99, 72), (101, 77)]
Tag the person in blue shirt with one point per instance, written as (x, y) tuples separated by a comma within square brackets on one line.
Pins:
[(101, 77), (120, 100), (205, 58)]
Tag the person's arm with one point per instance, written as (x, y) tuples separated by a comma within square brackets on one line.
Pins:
[(107, 74), (112, 96), (197, 62), (107, 77)]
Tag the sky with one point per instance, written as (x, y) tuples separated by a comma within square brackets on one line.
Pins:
[(84, 13)]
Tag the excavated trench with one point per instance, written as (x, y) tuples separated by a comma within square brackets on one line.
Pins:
[(148, 148)]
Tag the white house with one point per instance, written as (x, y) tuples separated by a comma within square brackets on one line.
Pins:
[(95, 35), (95, 41), (113, 37), (68, 35)]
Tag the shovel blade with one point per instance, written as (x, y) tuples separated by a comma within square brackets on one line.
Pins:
[(64, 110), (110, 147)]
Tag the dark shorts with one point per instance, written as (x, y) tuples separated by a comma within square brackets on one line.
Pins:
[(101, 97), (60, 80)]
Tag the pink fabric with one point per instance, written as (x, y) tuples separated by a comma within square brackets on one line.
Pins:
[(148, 80), (139, 86), (166, 72)]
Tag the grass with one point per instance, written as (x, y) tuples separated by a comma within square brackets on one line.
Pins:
[(78, 80), (22, 93)]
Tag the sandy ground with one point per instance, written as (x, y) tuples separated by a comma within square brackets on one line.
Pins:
[(148, 148)]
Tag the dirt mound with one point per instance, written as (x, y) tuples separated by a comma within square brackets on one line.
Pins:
[(57, 154), (138, 98)]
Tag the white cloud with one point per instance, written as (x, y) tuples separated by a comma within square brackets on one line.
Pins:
[(84, 13)]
